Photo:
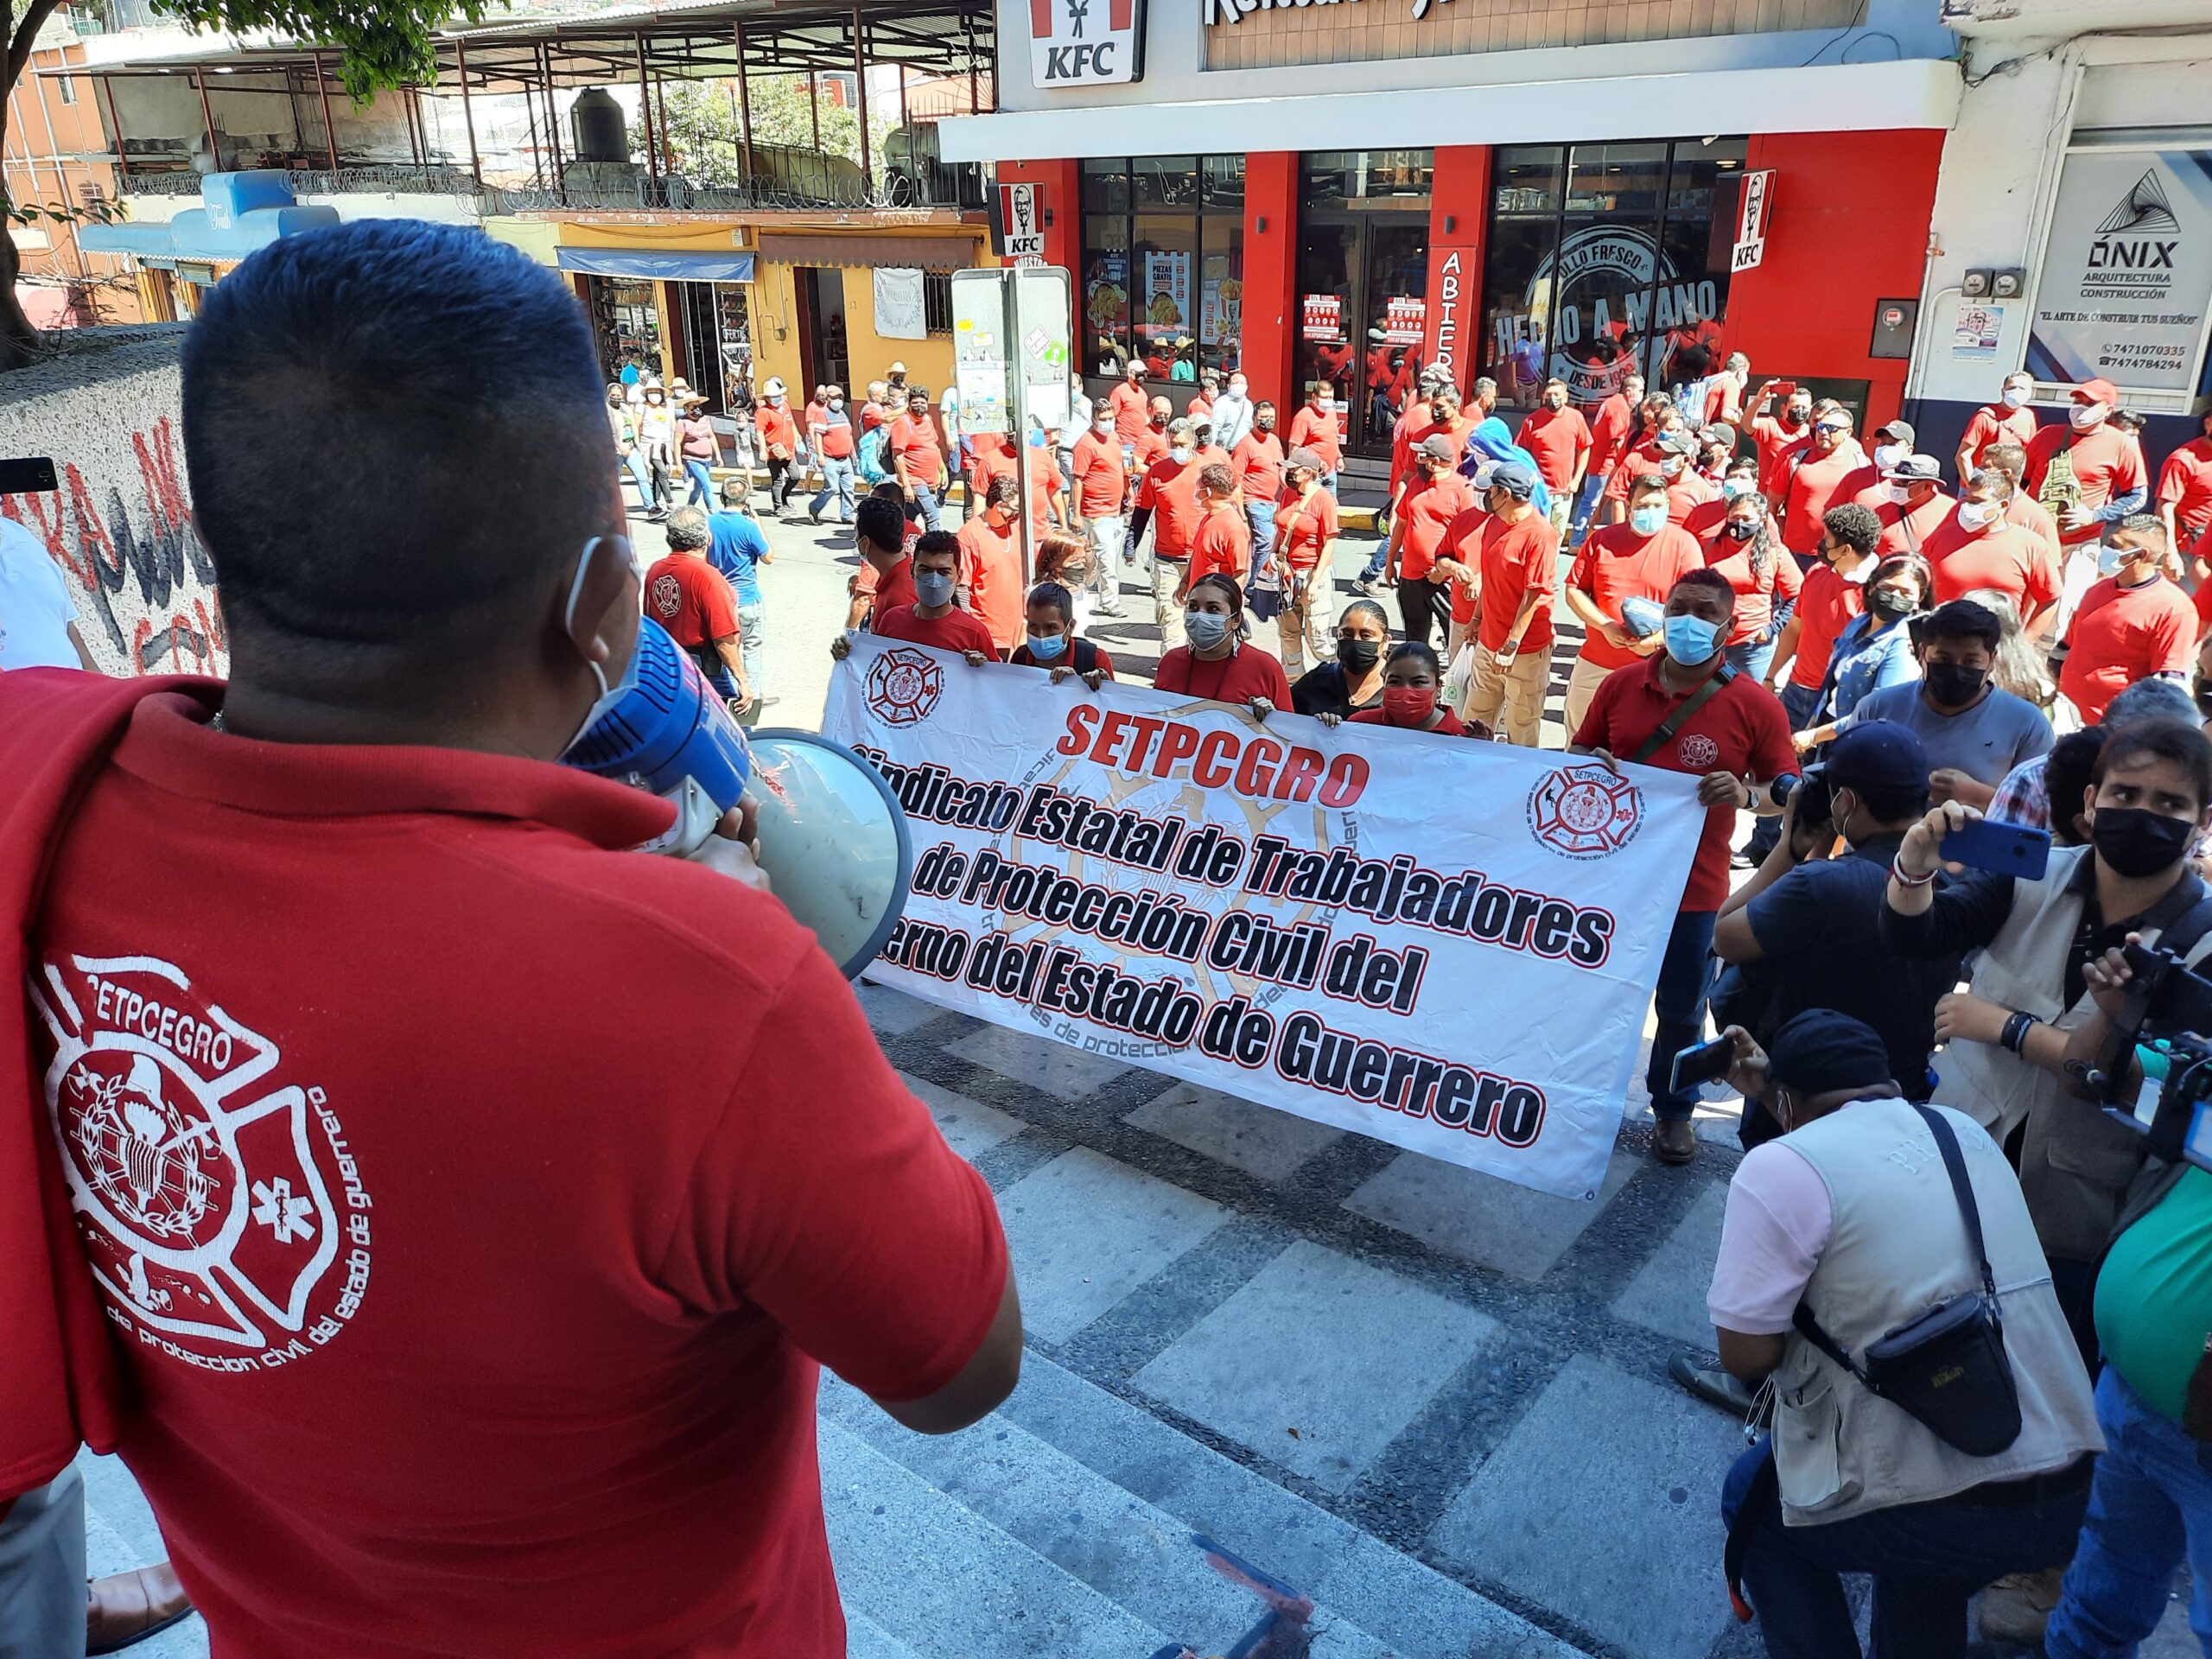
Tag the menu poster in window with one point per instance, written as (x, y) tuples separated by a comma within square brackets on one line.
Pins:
[(2127, 271), (1166, 295), (1403, 321), (1321, 316), (1221, 310)]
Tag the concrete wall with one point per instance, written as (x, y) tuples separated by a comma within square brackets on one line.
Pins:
[(119, 526)]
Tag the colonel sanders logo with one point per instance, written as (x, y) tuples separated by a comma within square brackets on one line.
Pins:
[(1585, 811), (223, 1219), (904, 686)]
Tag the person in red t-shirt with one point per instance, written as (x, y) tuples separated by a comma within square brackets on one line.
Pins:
[(1151, 442), (935, 617), (1723, 393), (1745, 549), (1129, 405), (2009, 420), (2132, 624), (994, 455), (2022, 510), (1640, 559), (1102, 504), (607, 1326), (918, 455), (1255, 466), (1610, 430), (885, 539), (1314, 427), (1833, 594), (1641, 453), (694, 602), (1435, 496), (2087, 472), (873, 413), (1560, 441), (779, 441), (1975, 549), (831, 436), (1412, 685), (1167, 501), (1218, 663), (1306, 528), (1735, 742), (990, 563), (1777, 437), (1687, 489), (2185, 490), (1814, 478), (1516, 558), (1223, 541), (1912, 506)]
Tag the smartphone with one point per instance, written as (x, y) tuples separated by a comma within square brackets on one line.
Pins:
[(1784, 389), (2008, 849), (1707, 1063), (27, 477)]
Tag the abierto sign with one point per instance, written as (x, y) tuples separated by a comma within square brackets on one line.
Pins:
[(1086, 42), (1277, 909)]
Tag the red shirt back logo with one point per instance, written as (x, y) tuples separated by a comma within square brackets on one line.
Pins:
[(668, 597), (1585, 811), (904, 686), (223, 1218), (1699, 751)]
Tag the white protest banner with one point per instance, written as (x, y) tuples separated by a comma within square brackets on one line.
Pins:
[(1446, 944)]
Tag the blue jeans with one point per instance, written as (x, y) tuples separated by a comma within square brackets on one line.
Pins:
[(1678, 1006), (1800, 703), (2150, 1507), (925, 503), (1261, 516), (837, 480), (703, 480), (1376, 561), (1753, 657), (1584, 505), (1927, 1560), (641, 470)]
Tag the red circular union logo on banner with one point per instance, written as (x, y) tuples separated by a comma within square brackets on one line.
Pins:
[(904, 686), (1585, 811)]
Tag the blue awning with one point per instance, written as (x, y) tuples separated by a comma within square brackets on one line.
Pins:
[(656, 266)]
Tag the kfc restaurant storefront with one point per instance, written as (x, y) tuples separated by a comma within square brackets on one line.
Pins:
[(1344, 191)]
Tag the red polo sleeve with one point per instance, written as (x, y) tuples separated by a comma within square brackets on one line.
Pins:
[(1771, 751), (826, 1197), (717, 605)]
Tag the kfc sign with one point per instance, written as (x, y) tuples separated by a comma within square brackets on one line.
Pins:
[(1086, 42)]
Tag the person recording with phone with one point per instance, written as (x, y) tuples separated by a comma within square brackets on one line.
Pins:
[(2007, 1037), (1844, 1265)]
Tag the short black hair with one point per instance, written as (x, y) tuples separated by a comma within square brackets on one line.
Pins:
[(1647, 483), (2181, 742), (880, 522), (1855, 526), (939, 540), (2066, 778), (1417, 652), (1708, 580), (396, 436), (1003, 491), (890, 490), (1056, 595), (1963, 618)]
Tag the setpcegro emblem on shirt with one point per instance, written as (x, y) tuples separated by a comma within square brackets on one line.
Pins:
[(222, 1212)]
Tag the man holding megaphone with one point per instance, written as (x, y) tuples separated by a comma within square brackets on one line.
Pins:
[(445, 1207)]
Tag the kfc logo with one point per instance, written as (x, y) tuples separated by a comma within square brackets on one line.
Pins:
[(1086, 42), (1585, 811), (904, 686)]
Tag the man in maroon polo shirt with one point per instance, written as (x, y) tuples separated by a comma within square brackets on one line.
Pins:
[(473, 1197), (1736, 742)]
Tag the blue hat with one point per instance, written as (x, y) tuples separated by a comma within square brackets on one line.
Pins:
[(1821, 1050), (1877, 754)]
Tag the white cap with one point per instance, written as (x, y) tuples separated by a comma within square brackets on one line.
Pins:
[(773, 389)]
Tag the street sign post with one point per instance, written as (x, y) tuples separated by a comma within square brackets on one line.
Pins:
[(1011, 360)]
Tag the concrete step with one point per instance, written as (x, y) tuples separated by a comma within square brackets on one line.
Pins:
[(866, 1639), (929, 1572), (1118, 1500)]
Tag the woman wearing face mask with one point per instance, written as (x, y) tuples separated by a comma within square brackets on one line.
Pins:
[(1745, 548), (1874, 650), (1216, 663), (2045, 985), (657, 437), (1052, 642), (1640, 453), (1067, 561), (1413, 687), (1354, 681)]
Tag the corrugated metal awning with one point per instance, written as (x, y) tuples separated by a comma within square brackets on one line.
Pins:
[(926, 253)]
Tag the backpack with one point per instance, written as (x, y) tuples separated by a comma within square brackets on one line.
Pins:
[(868, 455)]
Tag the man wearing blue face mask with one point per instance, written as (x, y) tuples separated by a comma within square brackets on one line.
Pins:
[(2132, 624), (1686, 710), (1053, 644)]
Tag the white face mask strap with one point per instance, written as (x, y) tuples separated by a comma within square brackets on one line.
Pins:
[(576, 592)]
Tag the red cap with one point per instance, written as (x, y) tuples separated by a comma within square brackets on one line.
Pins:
[(2097, 391)]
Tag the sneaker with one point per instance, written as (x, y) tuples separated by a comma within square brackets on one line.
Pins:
[(1364, 588), (2018, 1605), (1673, 1140), (814, 517)]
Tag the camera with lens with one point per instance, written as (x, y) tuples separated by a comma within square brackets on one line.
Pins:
[(1816, 795), (2156, 1076)]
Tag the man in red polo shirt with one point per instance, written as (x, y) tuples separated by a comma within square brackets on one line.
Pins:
[(1314, 427), (1735, 742), (1222, 543), (2132, 624), (1167, 501), (1128, 403), (2087, 472), (918, 455), (1517, 556), (1913, 503), (2185, 489), (2009, 420), (1559, 442), (507, 1292), (1974, 548), (1102, 504), (695, 603), (1435, 496), (1642, 557), (990, 564), (882, 535), (1811, 481), (935, 617)]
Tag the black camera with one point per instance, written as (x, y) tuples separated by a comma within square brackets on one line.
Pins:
[(2156, 1076), (1816, 795)]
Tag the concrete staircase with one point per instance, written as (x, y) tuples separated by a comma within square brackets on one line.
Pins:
[(1074, 1525)]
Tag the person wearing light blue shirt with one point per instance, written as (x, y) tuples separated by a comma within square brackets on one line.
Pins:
[(1875, 650), (738, 547)]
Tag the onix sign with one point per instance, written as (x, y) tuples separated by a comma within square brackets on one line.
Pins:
[(1086, 42)]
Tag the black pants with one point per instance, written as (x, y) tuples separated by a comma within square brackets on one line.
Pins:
[(779, 483), (1421, 606)]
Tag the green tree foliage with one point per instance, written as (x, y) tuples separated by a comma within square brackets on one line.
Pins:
[(704, 129)]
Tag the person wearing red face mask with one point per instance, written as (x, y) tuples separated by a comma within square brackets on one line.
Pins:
[(1411, 696)]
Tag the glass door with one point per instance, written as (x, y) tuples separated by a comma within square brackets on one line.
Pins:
[(1328, 261), (1363, 286)]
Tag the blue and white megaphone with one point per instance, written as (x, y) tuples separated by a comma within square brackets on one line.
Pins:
[(833, 838)]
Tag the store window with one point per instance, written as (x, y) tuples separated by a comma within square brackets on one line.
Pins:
[(1391, 178), (1607, 259), (627, 322), (1163, 263)]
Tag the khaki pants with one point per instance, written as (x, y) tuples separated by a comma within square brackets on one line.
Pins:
[(1106, 536), (1302, 624), (1167, 577), (1581, 692), (1562, 514), (1513, 684)]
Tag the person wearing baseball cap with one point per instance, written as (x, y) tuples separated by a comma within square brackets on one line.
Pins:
[(1910, 504), (1514, 549), (1436, 497), (2088, 473), (1852, 1218), (1687, 489)]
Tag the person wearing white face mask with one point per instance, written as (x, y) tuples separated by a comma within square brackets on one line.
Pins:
[(1911, 502), (1686, 710), (1217, 664), (1976, 548), (2009, 420), (1167, 501), (1099, 499), (2132, 624), (2086, 473)]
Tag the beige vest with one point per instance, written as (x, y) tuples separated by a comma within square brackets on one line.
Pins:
[(1897, 1246), (2075, 1163)]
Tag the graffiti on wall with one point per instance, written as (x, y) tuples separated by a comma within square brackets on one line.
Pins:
[(144, 586)]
